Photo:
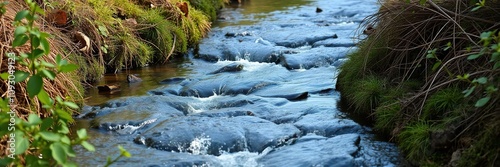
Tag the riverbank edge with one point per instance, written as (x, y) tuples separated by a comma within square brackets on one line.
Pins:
[(106, 37), (421, 78)]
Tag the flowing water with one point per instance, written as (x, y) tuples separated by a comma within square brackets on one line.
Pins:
[(259, 92)]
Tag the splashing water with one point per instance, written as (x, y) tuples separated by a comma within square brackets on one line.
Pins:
[(200, 145), (242, 159)]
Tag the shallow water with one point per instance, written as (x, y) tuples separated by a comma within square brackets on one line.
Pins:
[(260, 92)]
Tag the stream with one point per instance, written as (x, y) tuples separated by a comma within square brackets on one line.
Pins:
[(260, 91)]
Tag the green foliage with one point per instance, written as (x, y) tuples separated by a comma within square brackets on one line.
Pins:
[(414, 141), (40, 141), (442, 101), (488, 85), (47, 137)]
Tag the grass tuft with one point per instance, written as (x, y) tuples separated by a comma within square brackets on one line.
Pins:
[(414, 141)]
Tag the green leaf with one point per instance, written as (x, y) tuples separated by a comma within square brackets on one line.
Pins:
[(34, 86), (82, 133), (39, 10), (46, 123), (476, 8), (63, 127), (70, 164), (103, 30), (45, 45), (58, 60), (44, 98), (5, 76), (58, 152), (49, 74), (124, 152), (68, 68), (65, 140), (47, 64), (88, 146), (64, 115), (20, 76), (20, 30), (22, 143), (71, 105), (50, 136), (436, 65), (469, 91), (422, 2), (37, 53), (497, 65), (482, 80), (481, 102), (34, 119), (35, 41), (474, 56), (20, 40), (69, 151), (486, 35), (495, 57), (21, 15)]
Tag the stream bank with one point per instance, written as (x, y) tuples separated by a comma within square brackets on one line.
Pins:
[(255, 94), (435, 93)]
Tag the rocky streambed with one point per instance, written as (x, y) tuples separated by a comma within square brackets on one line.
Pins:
[(256, 94)]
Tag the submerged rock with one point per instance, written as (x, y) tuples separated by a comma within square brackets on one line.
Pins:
[(133, 79), (234, 67)]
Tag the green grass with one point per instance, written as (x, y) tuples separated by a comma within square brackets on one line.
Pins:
[(166, 37), (441, 102), (387, 116), (128, 51), (368, 93), (90, 70), (414, 141)]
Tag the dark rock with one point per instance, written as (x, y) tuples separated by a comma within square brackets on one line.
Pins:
[(108, 88), (319, 10), (133, 79), (292, 96), (174, 80), (441, 139), (234, 67)]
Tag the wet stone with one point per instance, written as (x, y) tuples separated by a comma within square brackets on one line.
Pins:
[(337, 152), (223, 134)]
